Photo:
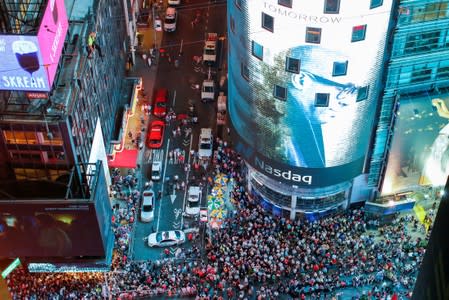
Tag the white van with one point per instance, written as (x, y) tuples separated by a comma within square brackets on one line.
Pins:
[(171, 17), (205, 143)]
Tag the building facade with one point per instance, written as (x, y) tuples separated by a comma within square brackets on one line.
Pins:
[(304, 84), (43, 133)]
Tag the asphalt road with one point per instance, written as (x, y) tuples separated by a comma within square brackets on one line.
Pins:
[(187, 41)]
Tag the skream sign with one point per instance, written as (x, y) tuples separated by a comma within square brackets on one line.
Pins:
[(22, 66), (29, 63)]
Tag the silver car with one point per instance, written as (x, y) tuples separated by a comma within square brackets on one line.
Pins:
[(166, 238)]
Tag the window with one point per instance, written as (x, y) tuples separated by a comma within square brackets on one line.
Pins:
[(244, 71), (238, 3), (313, 35), (362, 93), (429, 12), (280, 92), (331, 6), (358, 33), (422, 42), (257, 50), (421, 74), (267, 22), (321, 99), (292, 65), (232, 24), (287, 3), (340, 68), (375, 3)]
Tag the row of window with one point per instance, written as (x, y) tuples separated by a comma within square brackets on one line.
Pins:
[(293, 65), (321, 99), (330, 6), (313, 34)]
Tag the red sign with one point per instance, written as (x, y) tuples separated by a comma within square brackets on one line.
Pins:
[(37, 95)]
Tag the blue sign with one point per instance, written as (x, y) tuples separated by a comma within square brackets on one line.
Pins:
[(22, 67)]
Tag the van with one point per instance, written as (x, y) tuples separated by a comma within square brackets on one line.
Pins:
[(205, 143), (156, 165), (171, 17)]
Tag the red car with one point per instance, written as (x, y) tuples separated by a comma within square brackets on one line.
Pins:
[(155, 134), (160, 103)]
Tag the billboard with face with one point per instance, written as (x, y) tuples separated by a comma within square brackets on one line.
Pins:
[(303, 86), (419, 153), (29, 63), (49, 230)]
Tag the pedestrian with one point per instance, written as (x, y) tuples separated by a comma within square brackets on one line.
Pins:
[(92, 45)]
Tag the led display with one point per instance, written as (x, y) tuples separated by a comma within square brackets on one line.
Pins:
[(51, 35), (49, 230), (318, 135), (419, 152), (22, 66), (29, 63)]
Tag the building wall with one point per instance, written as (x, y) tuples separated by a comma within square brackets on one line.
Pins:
[(84, 91), (418, 64), (303, 86)]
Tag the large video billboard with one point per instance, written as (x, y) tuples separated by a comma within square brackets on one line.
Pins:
[(303, 86), (419, 152), (49, 230), (29, 62), (51, 36)]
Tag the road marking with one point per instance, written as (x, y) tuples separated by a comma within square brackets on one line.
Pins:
[(176, 225), (187, 180), (174, 98), (177, 212), (162, 186), (173, 196)]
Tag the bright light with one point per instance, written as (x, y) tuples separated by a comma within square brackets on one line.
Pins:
[(391, 203)]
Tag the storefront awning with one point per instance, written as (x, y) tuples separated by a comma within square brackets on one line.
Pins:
[(124, 159)]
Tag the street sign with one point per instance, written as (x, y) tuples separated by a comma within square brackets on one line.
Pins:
[(11, 267), (203, 215)]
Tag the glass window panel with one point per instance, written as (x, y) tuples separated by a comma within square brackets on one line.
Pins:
[(322, 99), (292, 65), (331, 6), (267, 22), (358, 33), (280, 92), (257, 50), (313, 35), (340, 68)]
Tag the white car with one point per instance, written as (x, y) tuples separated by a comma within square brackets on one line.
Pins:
[(166, 238), (147, 209), (205, 143), (193, 201), (171, 17)]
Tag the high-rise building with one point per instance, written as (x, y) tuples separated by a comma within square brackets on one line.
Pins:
[(314, 88), (62, 108)]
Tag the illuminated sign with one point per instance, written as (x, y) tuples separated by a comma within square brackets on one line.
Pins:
[(419, 152), (51, 35), (305, 101), (36, 95), (29, 63), (22, 66), (11, 267)]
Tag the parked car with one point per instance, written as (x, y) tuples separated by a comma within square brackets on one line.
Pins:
[(166, 238), (155, 134), (205, 143), (193, 201), (171, 17), (160, 103), (147, 209)]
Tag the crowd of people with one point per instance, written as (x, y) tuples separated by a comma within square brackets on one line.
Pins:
[(254, 256)]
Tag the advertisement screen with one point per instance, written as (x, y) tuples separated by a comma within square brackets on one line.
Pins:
[(22, 67), (419, 153), (303, 86), (49, 230), (51, 36)]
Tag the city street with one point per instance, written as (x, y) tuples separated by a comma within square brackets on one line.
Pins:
[(180, 78)]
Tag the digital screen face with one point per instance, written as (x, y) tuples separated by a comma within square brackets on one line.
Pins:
[(303, 87), (419, 153), (49, 230), (22, 67)]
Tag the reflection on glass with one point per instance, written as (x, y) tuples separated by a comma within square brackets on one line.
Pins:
[(27, 55)]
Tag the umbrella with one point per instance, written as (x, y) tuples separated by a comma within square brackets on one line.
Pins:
[(218, 213), (217, 191), (215, 204)]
